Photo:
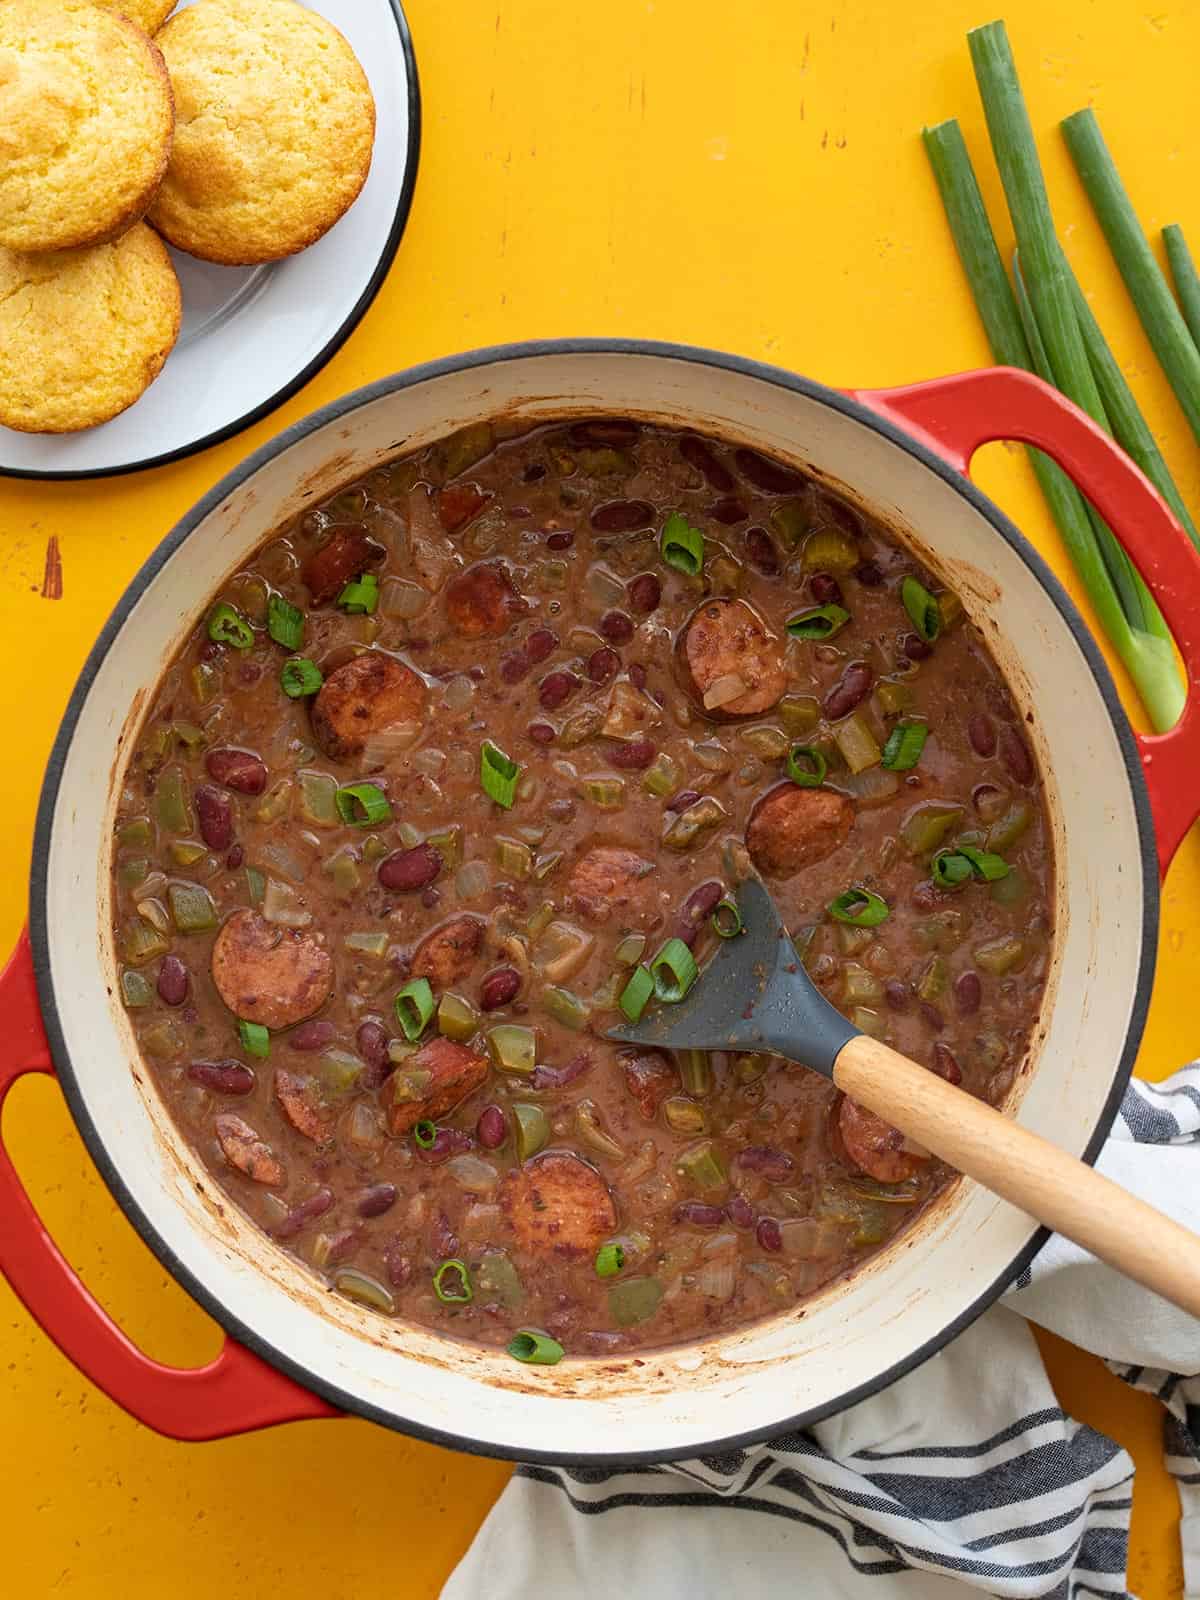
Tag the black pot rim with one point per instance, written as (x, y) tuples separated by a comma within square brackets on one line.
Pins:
[(331, 346), (836, 401)]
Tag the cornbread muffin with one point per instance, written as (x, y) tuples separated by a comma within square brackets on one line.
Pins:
[(148, 14), (276, 124), (84, 332), (86, 125)]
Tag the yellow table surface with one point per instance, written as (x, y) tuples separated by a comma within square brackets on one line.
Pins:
[(745, 178)]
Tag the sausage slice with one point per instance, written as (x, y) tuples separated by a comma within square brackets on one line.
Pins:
[(792, 828), (605, 880), (264, 973), (650, 1076), (346, 553), (483, 602), (243, 1149), (558, 1203), (367, 697), (449, 952), (457, 503), (431, 1083), (874, 1146), (303, 1105), (730, 661)]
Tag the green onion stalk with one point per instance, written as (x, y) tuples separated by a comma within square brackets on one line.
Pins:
[(1186, 278)]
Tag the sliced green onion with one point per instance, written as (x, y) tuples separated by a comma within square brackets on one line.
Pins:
[(950, 869), (904, 746), (674, 971), (445, 1284), (681, 545), (610, 1258), (362, 805), (535, 1349), (425, 1133), (923, 610), (285, 623), (988, 866), (727, 919), (636, 993), (861, 908), (806, 766), (256, 1041), (227, 626), (820, 622), (415, 1006), (498, 774), (361, 596), (300, 677)]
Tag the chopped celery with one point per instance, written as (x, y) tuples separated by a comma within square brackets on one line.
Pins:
[(496, 1280), (766, 740), (189, 735), (457, 1018), (869, 1021), (374, 848), (590, 1131), (276, 803), (155, 745), (702, 1166), (791, 521), (799, 713), (634, 1300), (205, 682), (342, 867), (162, 1040), (514, 858), (171, 800), (1000, 956), (533, 1128), (1004, 834), (630, 950), (186, 852), (513, 1047), (566, 1007), (540, 920), (607, 794), (318, 799), (192, 907), (155, 913), (872, 1226), (136, 989), (660, 778), (859, 986), (857, 743), (340, 1071), (926, 825), (256, 885), (690, 825), (695, 1070), (131, 873), (374, 945), (684, 1115), (136, 834), (942, 931), (545, 863), (830, 550), (749, 1068), (562, 949), (950, 608), (1010, 890), (408, 1085), (894, 698), (853, 940), (932, 979), (448, 842), (724, 574)]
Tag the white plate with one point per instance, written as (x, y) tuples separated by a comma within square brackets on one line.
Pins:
[(252, 336)]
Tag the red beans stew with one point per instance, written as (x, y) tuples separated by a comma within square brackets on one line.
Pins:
[(438, 777)]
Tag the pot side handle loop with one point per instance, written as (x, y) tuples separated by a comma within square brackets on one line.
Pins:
[(235, 1393), (953, 416)]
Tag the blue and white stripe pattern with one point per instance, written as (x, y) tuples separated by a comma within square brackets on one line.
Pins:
[(966, 1474)]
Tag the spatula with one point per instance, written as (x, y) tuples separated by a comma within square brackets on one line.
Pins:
[(755, 995)]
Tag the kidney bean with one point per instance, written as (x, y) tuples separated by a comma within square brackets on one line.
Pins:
[(492, 1128), (851, 689), (699, 455), (235, 858), (637, 675), (644, 592), (945, 1064), (622, 516), (698, 906), (897, 994), (559, 1077), (616, 627), (770, 476), (740, 1212), (774, 1165), (682, 800), (982, 734), (237, 769), (499, 988), (513, 667), (914, 647), (605, 430), (603, 665), (1014, 753), (761, 552), (556, 689), (443, 1238), (870, 574), (540, 732), (968, 992), (307, 1211), (729, 510), (447, 1142), (560, 539), (223, 1077), (398, 1263), (342, 1245), (989, 801), (373, 1202), (932, 1016), (410, 869), (430, 898), (825, 589), (541, 643), (634, 756), (214, 814), (173, 981), (698, 1215), (372, 1040), (769, 1234), (312, 1035)]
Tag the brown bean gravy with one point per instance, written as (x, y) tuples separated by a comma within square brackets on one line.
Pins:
[(446, 768)]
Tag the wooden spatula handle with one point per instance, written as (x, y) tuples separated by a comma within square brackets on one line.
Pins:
[(1031, 1173)]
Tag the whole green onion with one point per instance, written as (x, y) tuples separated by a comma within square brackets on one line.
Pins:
[(1187, 279)]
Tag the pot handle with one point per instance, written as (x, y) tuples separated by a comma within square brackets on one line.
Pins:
[(235, 1393), (954, 416)]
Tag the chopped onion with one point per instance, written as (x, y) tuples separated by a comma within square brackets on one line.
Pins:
[(458, 693), (474, 1174), (874, 787), (562, 950), (717, 1274), (812, 1238), (472, 880), (724, 689), (284, 905), (604, 587), (364, 1127), (381, 747), (283, 859), (400, 598)]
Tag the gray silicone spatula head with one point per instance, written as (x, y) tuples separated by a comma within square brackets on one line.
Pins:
[(753, 995)]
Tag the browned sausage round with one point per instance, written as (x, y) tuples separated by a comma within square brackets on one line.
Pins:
[(362, 701), (730, 661), (431, 1083), (276, 976), (606, 879), (557, 1202), (304, 1106), (449, 952), (875, 1146), (243, 1149), (345, 554), (482, 602), (457, 503), (792, 828)]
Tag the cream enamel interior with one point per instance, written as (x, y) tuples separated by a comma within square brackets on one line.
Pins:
[(752, 1381)]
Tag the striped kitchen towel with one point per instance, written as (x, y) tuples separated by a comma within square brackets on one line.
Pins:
[(966, 1474)]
